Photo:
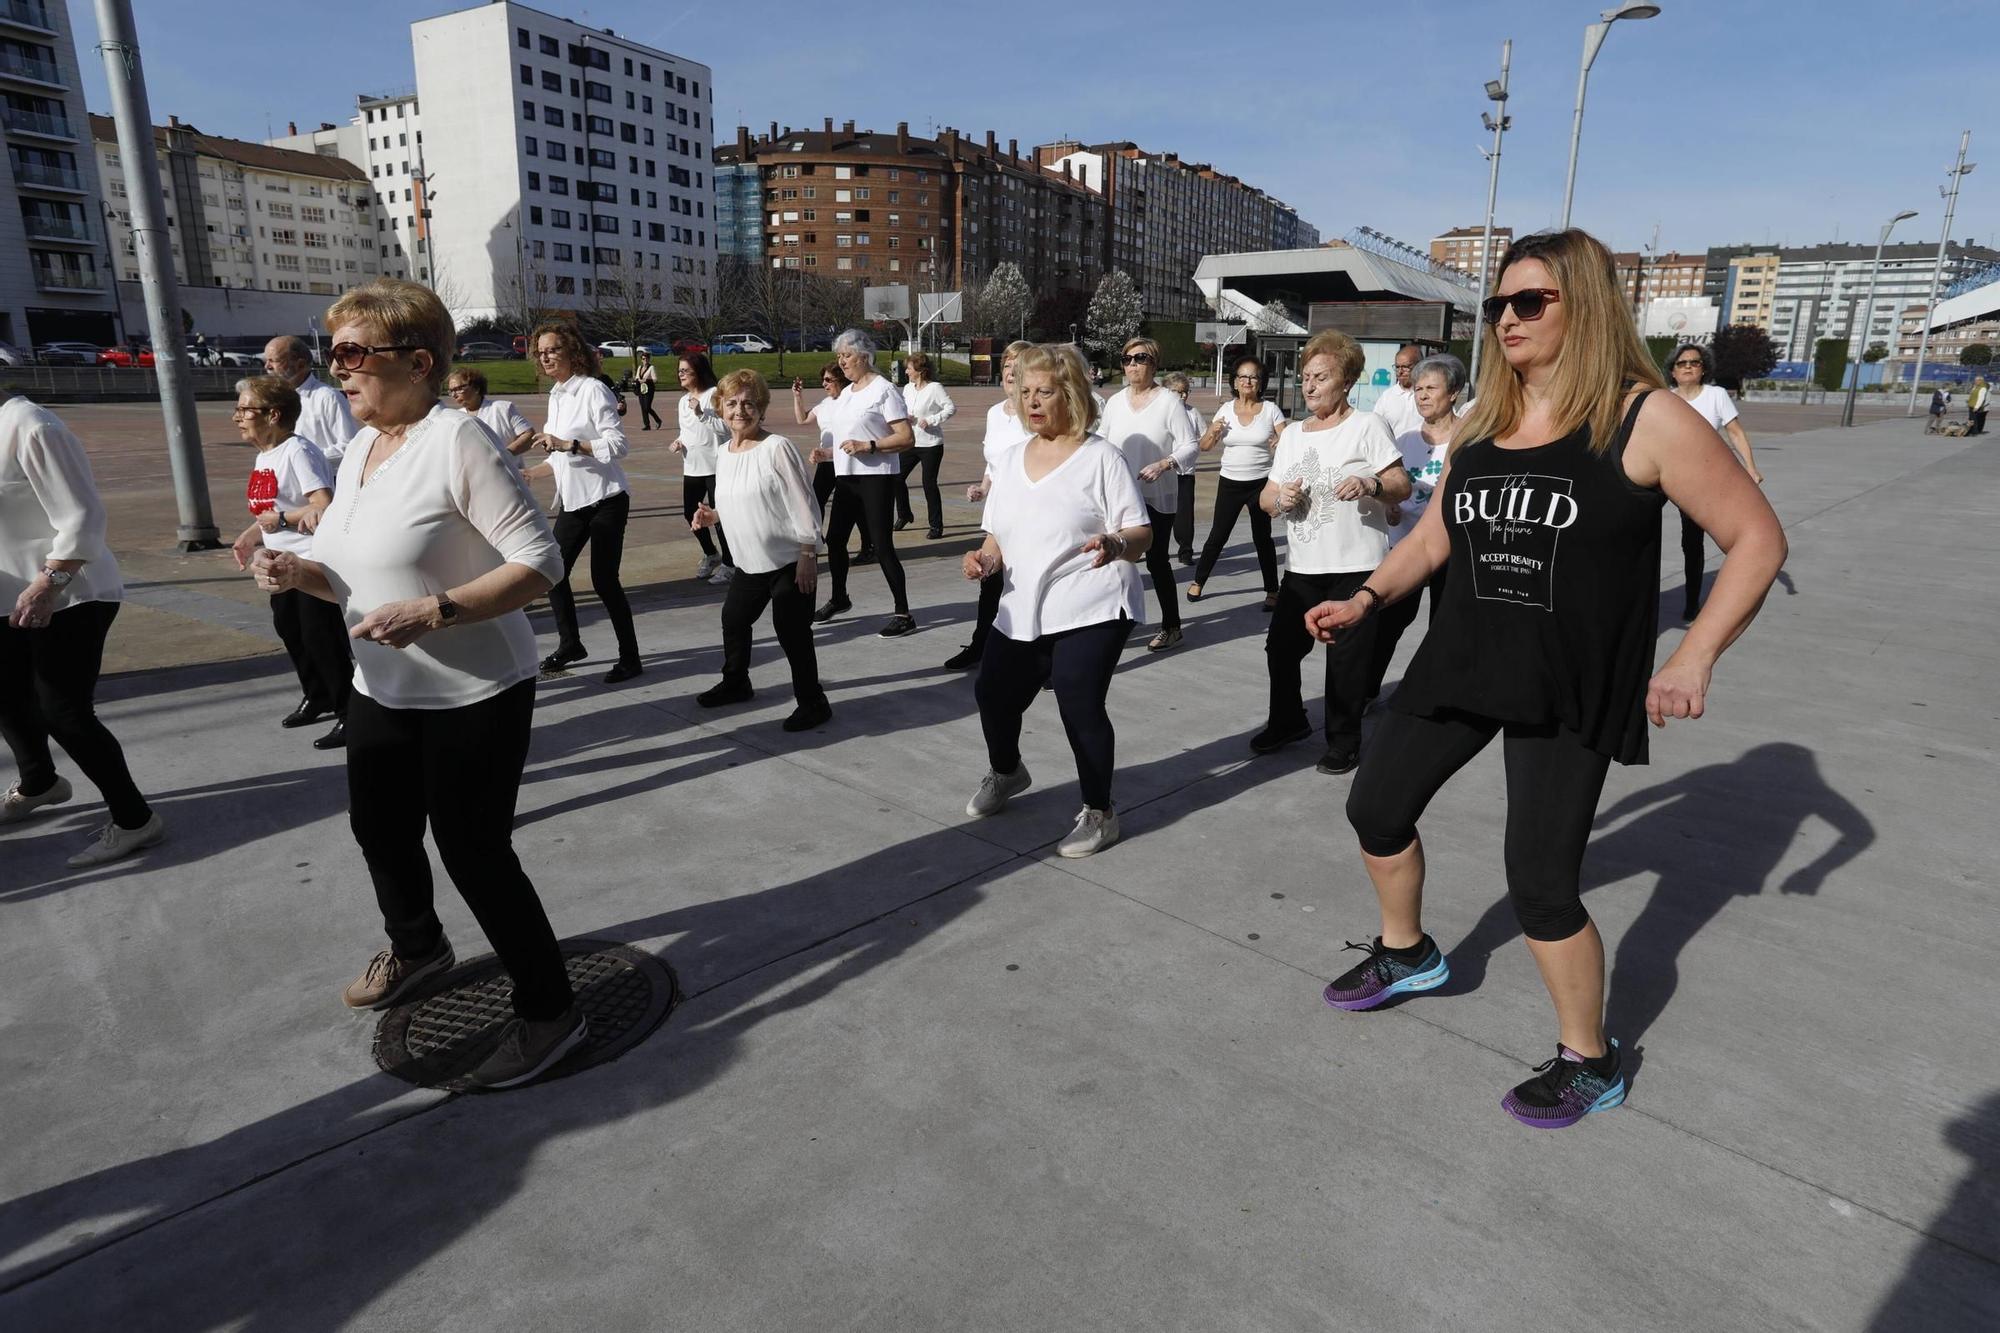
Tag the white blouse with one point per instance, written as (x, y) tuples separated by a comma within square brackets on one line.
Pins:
[(49, 509), (1050, 585), (1246, 450), (701, 433), (1159, 430), (930, 407), (764, 496), (583, 408), (436, 514)]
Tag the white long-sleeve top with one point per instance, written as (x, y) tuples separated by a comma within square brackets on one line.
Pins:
[(764, 496), (325, 418), (49, 509), (702, 433), (582, 408), (930, 407), (1148, 434), (436, 514)]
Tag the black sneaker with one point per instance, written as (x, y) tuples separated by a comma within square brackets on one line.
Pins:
[(1340, 757), (1278, 735), (1568, 1088), (563, 656), (1384, 976), (726, 692), (833, 607), (807, 716), (896, 626), (965, 658)]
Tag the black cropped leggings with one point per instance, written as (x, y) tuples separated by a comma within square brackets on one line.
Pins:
[(1553, 782), (1078, 664)]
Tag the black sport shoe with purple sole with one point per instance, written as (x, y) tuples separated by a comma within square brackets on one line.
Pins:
[(1384, 976), (1565, 1090)]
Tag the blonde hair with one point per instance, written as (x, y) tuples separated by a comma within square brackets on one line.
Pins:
[(1348, 358), (1175, 381), (272, 393), (1072, 376), (1143, 343), (738, 381), (918, 364), (581, 355), (1015, 348), (1601, 355), (402, 313)]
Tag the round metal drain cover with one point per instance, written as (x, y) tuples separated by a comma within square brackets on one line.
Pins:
[(436, 1041)]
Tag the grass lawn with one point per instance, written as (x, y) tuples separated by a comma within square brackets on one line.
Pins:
[(515, 378)]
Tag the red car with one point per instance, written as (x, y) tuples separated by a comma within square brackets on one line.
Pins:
[(689, 347), (121, 355)]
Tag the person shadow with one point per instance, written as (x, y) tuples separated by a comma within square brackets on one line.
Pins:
[(1693, 833), (1948, 1284)]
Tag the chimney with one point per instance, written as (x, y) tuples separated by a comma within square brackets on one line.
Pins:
[(847, 128), (291, 127), (742, 143), (951, 143), (1014, 149), (829, 124), (992, 149), (173, 122), (902, 138), (774, 131)]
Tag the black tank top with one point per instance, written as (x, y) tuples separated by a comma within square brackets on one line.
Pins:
[(1551, 596)]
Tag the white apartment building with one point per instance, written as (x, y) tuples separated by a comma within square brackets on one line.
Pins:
[(385, 139), (1821, 289)]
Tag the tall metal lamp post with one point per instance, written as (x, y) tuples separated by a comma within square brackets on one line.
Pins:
[(1867, 317), (1499, 122), (1593, 39), (1950, 195)]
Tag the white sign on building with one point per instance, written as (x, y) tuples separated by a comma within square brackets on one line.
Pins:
[(1688, 318)]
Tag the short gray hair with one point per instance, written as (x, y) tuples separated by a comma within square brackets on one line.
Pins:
[(1445, 364), (292, 349), (854, 340)]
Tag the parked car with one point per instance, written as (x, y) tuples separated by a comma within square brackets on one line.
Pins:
[(67, 354), (521, 344), (123, 355), (484, 351), (687, 347), (742, 342), (618, 348), (11, 355)]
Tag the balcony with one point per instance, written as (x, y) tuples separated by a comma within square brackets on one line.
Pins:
[(67, 280), (36, 122), (47, 178), (28, 13), (16, 65), (43, 228)]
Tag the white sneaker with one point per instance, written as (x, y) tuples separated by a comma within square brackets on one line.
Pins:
[(17, 805), (707, 566), (995, 790), (114, 843), (723, 573), (1095, 830)]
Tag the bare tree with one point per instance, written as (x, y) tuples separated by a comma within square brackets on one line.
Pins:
[(627, 309), (831, 303), (764, 298), (524, 291), (1004, 303), (699, 309)]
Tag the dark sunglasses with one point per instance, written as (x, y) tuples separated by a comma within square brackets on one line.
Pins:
[(1694, 364), (1530, 303), (1139, 359), (349, 356)]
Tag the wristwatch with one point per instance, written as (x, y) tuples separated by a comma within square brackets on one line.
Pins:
[(283, 522), (58, 578), (871, 447), (447, 611)]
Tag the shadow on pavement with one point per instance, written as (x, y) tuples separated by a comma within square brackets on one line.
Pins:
[(1952, 1280)]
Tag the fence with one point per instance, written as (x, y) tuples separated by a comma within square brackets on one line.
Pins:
[(110, 384)]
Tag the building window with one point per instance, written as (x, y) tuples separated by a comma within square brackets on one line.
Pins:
[(552, 116), (551, 47), (551, 83), (531, 148), (534, 180), (521, 38)]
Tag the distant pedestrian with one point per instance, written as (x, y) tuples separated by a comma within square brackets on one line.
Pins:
[(324, 417), (1005, 428), (1246, 429), (1150, 427), (1940, 404), (702, 434), (930, 407), (1694, 367), (1181, 387), (646, 382), (1975, 405)]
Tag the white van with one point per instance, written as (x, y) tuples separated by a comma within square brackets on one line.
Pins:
[(744, 342)]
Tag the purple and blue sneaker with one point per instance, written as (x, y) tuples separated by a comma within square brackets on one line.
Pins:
[(1385, 975), (1566, 1089)]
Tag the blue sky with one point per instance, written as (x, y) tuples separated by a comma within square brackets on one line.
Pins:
[(1718, 121)]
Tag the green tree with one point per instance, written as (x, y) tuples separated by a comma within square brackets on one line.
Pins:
[(1829, 363), (1976, 354), (1742, 352), (1114, 313), (1875, 352)]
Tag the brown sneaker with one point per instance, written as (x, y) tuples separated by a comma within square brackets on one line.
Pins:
[(390, 980), (528, 1048)]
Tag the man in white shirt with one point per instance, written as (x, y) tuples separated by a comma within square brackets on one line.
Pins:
[(1398, 403), (324, 417)]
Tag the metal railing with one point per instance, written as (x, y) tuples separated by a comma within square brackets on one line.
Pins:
[(29, 67), (31, 12), (55, 382), (43, 228), (36, 122), (66, 280), (36, 173)]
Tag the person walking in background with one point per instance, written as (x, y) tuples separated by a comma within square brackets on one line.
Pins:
[(290, 488), (646, 383), (702, 434), (1397, 404), (324, 417), (503, 421), (870, 427), (1150, 427), (763, 490), (582, 441), (1064, 522), (832, 380), (1694, 367), (1247, 428), (1005, 428), (1179, 385), (1975, 405), (61, 591), (431, 548), (1437, 382), (930, 407)]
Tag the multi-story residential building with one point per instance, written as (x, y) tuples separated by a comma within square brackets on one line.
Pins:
[(881, 209), (1821, 288), (385, 139), (1647, 277), (739, 204), (246, 215), (52, 280), (1751, 292), (1166, 214), (1463, 248), (1946, 345)]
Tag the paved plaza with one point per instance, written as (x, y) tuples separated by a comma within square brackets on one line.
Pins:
[(926, 1075)]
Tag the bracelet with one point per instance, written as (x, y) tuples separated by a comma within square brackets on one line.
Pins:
[(1375, 605)]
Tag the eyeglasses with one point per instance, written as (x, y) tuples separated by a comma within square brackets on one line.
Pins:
[(1530, 303), (1687, 365), (456, 389), (1139, 359), (349, 356), (1246, 379), (247, 411), (544, 353)]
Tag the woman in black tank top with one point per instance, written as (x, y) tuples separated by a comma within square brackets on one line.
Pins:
[(1548, 516)]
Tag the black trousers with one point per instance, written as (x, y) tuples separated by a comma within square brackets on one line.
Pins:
[(1078, 663), (1184, 519), (1286, 643), (48, 684), (928, 460), (791, 617), (459, 771), (1694, 559), (823, 480), (648, 418), (1160, 564), (602, 525), (693, 491), (315, 637), (1391, 621), (990, 589), (1978, 423), (865, 502), (1232, 497), (1553, 782)]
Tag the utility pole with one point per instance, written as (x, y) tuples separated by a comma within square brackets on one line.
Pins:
[(1496, 91), (127, 79), (1957, 173), (1858, 338)]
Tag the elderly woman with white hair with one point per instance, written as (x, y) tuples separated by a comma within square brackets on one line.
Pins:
[(1435, 384), (870, 425)]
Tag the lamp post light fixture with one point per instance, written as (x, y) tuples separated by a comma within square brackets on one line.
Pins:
[(1868, 315), (1593, 39), (1950, 196), (1500, 123)]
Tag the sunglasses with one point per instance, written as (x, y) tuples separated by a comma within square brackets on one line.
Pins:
[(349, 356), (1687, 365), (1530, 303), (1139, 359)]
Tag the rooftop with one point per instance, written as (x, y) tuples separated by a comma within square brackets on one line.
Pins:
[(241, 152)]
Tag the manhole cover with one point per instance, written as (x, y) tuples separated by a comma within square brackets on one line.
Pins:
[(436, 1041)]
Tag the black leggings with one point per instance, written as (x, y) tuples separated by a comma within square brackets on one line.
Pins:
[(315, 637), (865, 502), (791, 618), (602, 525), (1232, 497), (990, 589), (693, 491), (459, 770), (1078, 663), (1286, 643), (48, 680), (647, 416), (1694, 559), (928, 460), (1184, 517), (1160, 564), (1391, 621), (1553, 782), (822, 485)]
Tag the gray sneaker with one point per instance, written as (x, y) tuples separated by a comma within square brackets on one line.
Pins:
[(1095, 830), (389, 980), (527, 1049), (995, 790), (114, 844), (18, 805)]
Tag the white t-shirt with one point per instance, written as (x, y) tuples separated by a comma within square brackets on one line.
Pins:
[(1715, 405), (1398, 406), (863, 412), (437, 513), (764, 496), (49, 509), (1246, 450), (930, 407), (584, 409), (281, 477), (702, 435), (1049, 584), (821, 415), (325, 418), (1004, 430), (1148, 434), (1329, 536), (504, 419), (1425, 462)]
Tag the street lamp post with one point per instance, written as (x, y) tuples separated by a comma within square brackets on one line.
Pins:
[(1593, 39), (1868, 314), (1957, 173), (1496, 92)]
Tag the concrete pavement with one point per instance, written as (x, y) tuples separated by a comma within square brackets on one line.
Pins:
[(928, 1075)]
